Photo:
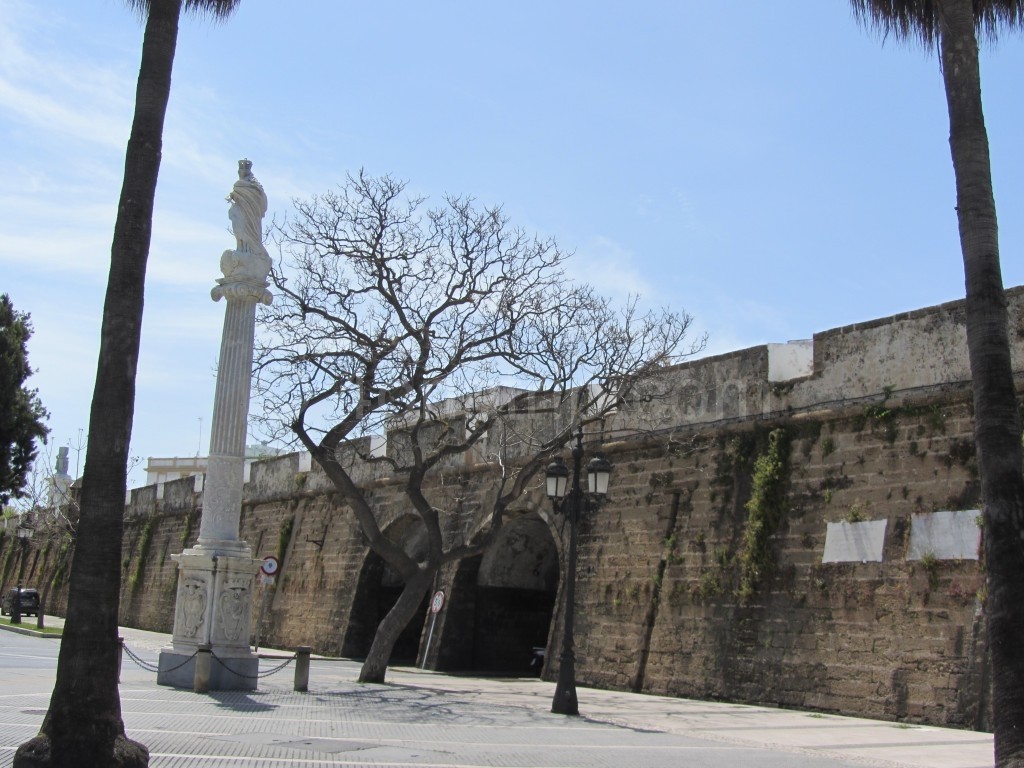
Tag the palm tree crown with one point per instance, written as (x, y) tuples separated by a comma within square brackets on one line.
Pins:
[(919, 19), (217, 9)]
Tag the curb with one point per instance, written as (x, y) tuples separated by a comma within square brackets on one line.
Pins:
[(30, 632)]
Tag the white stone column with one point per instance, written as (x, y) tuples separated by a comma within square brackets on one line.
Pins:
[(216, 577), (222, 490)]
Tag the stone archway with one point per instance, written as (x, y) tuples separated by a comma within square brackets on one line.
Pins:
[(502, 603), (377, 591)]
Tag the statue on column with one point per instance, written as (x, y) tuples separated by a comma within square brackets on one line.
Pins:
[(249, 262), (216, 576)]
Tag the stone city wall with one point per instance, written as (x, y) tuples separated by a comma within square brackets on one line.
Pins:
[(849, 445)]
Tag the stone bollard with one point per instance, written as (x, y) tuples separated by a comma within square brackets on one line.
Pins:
[(302, 668), (201, 681)]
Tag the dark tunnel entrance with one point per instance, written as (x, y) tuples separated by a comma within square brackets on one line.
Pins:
[(377, 592), (502, 603)]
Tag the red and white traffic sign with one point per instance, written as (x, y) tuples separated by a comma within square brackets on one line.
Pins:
[(270, 565), (438, 602)]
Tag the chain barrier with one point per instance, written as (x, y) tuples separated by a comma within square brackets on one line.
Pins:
[(258, 675), (152, 667)]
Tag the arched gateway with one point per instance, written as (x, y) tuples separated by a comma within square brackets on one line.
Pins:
[(377, 591), (501, 603)]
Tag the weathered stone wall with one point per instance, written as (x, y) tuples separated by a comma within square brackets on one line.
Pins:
[(662, 564), (878, 427)]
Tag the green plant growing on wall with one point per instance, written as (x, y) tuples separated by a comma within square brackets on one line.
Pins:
[(284, 538), (190, 522), (930, 564), (62, 564), (672, 556), (766, 510), (883, 416), (709, 585), (936, 419), (145, 539), (7, 558), (660, 479), (722, 558), (856, 513)]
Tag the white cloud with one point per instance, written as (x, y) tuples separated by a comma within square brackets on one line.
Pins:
[(611, 269)]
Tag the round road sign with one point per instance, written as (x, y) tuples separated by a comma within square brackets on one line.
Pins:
[(438, 602), (270, 565)]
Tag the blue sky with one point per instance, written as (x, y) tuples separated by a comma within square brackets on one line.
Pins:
[(770, 167)]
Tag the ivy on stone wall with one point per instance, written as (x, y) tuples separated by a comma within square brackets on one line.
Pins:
[(145, 539), (7, 557), (284, 537), (62, 564), (766, 508), (190, 521)]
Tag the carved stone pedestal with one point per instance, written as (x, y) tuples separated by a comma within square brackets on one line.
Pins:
[(213, 606)]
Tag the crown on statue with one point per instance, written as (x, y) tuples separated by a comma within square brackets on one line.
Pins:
[(245, 164)]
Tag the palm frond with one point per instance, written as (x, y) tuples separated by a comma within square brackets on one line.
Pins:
[(919, 20), (216, 9)]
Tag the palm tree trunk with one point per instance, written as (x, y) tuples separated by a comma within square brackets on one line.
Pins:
[(83, 725), (397, 619), (997, 426)]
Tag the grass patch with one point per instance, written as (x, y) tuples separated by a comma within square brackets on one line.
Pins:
[(30, 623)]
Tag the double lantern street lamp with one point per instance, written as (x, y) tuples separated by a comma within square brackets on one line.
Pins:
[(24, 534), (571, 502)]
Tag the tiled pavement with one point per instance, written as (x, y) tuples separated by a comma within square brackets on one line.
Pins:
[(422, 719)]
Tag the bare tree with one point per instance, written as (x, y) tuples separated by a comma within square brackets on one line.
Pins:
[(448, 330), (53, 509)]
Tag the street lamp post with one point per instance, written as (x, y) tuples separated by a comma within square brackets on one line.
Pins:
[(24, 532), (572, 504)]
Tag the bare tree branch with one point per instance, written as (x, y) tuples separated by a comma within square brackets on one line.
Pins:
[(448, 331)]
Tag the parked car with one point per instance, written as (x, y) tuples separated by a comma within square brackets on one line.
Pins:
[(29, 602)]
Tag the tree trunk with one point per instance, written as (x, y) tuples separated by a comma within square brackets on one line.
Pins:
[(83, 725), (376, 664), (997, 427)]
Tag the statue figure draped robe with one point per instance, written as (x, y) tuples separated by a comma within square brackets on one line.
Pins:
[(249, 261)]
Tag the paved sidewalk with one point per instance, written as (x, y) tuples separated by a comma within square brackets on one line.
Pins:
[(425, 719)]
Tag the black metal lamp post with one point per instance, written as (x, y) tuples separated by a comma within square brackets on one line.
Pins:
[(23, 534), (571, 503)]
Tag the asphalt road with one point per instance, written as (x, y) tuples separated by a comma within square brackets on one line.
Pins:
[(420, 719)]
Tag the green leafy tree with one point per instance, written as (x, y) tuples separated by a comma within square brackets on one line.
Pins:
[(955, 25), (22, 416), (83, 725)]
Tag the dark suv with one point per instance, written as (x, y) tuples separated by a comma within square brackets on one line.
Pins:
[(29, 602)]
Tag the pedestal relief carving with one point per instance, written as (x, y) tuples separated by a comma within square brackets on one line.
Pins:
[(192, 599), (234, 602)]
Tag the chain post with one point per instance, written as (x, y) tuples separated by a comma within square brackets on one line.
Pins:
[(302, 668), (201, 681)]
